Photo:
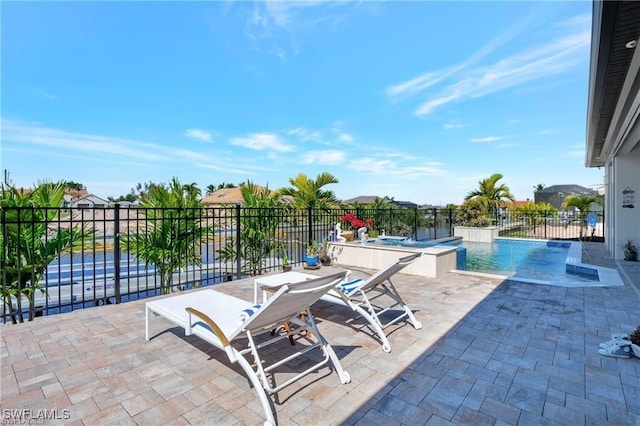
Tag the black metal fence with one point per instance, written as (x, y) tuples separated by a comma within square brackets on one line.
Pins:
[(81, 257)]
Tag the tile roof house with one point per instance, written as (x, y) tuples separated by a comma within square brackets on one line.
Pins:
[(556, 194), (227, 196)]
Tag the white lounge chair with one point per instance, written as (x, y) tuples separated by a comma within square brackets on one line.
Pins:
[(223, 320), (363, 296)]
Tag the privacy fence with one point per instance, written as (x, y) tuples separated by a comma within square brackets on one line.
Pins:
[(58, 260)]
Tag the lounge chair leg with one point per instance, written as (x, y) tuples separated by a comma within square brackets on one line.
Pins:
[(257, 385), (386, 346), (328, 350)]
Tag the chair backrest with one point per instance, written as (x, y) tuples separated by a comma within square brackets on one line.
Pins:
[(388, 271), (291, 300)]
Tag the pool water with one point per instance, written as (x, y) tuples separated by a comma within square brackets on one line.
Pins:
[(535, 260)]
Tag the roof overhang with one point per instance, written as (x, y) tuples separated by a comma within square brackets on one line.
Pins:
[(613, 81)]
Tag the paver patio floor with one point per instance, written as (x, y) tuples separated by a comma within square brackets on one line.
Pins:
[(490, 352)]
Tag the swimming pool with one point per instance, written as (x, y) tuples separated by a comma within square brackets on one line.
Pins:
[(525, 260)]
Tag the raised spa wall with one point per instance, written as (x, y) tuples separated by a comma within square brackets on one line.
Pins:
[(434, 262)]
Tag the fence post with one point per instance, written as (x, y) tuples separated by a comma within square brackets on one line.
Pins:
[(544, 218), (415, 223), (238, 244), (451, 222), (116, 251), (310, 223), (435, 224)]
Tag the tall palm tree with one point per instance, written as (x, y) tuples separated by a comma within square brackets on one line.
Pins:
[(258, 228), (211, 188), (490, 195), (538, 187), (309, 193), (192, 189), (173, 231)]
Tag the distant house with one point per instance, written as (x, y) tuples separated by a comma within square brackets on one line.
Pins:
[(226, 196), (370, 199), (90, 201), (556, 194)]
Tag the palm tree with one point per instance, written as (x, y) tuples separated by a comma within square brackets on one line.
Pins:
[(490, 195), (192, 189), (28, 244), (173, 231), (258, 226), (538, 187), (583, 204), (309, 193), (211, 189)]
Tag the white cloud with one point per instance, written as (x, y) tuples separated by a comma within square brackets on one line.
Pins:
[(425, 80), (72, 143), (329, 157), (202, 135), (305, 135), (535, 63), (449, 126), (393, 169), (338, 129), (542, 61), (261, 142), (488, 139), (345, 137), (276, 26)]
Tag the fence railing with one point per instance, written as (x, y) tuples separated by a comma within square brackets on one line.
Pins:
[(59, 260)]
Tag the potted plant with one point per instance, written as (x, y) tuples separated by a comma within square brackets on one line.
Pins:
[(630, 251), (312, 253), (286, 264), (369, 223), (323, 253), (635, 341)]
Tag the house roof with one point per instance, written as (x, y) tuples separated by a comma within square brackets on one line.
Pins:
[(569, 189), (92, 198), (614, 77), (363, 199), (231, 196), (224, 196)]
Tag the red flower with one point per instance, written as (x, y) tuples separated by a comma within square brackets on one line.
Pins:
[(352, 221)]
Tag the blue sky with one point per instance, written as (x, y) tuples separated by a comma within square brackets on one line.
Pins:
[(413, 100)]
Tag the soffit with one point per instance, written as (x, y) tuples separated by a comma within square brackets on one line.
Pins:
[(619, 24)]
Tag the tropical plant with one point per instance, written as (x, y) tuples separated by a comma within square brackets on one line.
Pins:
[(490, 195), (538, 187), (583, 204), (173, 233), (258, 230), (474, 213), (323, 253), (29, 245), (313, 249), (306, 192), (532, 214)]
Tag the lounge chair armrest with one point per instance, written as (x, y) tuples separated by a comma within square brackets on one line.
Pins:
[(211, 323), (361, 270), (342, 295)]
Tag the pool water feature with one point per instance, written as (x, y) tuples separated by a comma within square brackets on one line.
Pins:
[(536, 261)]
